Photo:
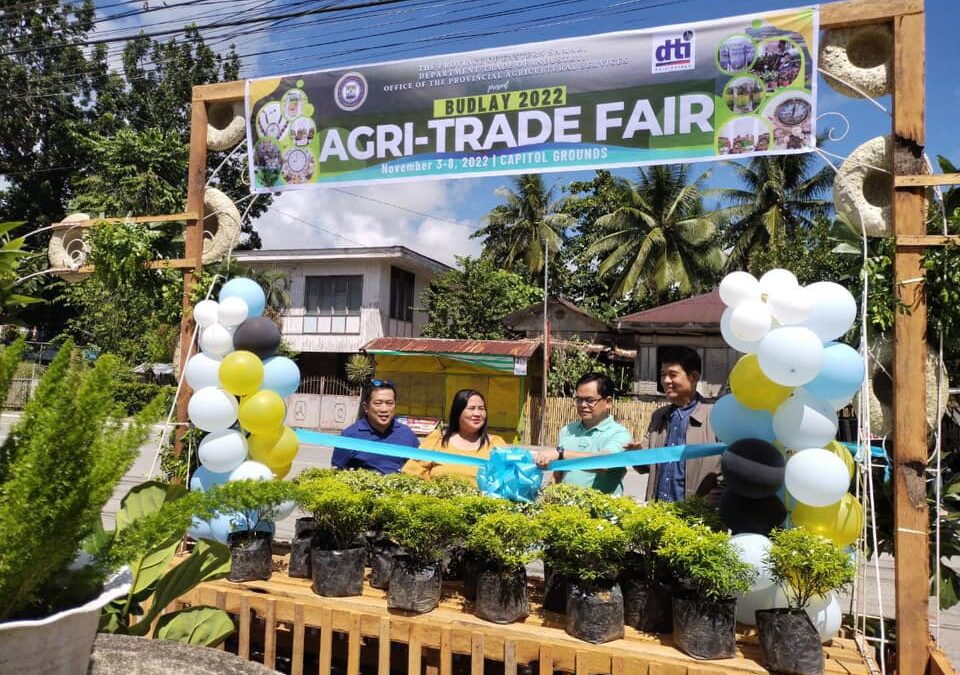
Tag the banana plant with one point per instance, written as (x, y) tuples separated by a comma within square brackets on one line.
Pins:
[(11, 253), (149, 529)]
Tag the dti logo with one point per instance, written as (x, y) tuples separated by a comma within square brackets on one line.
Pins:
[(673, 51)]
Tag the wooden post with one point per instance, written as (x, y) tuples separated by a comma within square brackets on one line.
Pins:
[(911, 520), (193, 250)]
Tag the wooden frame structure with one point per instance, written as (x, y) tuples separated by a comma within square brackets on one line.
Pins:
[(915, 650), (283, 620)]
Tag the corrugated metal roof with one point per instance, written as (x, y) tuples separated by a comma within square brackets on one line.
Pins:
[(700, 310), (522, 348)]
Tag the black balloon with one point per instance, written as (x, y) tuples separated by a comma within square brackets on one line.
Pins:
[(756, 516), (752, 468), (259, 335)]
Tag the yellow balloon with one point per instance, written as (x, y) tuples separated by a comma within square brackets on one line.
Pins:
[(262, 412), (272, 449), (841, 522), (753, 389), (281, 472), (241, 373), (841, 451)]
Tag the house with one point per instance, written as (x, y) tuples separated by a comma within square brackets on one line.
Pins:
[(567, 322), (342, 298), (694, 322)]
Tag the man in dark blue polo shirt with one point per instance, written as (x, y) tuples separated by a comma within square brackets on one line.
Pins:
[(379, 407)]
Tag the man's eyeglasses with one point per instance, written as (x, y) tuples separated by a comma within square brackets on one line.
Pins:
[(381, 383), (589, 402)]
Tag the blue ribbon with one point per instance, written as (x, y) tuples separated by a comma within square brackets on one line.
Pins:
[(511, 472)]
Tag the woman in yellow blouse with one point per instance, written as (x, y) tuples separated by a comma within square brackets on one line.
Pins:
[(466, 434)]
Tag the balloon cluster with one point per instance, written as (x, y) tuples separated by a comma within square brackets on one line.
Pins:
[(781, 418), (239, 388)]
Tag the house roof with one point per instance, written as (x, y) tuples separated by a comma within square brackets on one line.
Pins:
[(699, 312), (325, 254), (536, 309), (515, 348)]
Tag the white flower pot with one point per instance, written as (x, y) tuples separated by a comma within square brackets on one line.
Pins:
[(59, 644)]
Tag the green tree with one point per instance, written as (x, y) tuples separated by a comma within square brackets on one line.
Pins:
[(660, 242), (518, 230), (782, 195), (468, 303)]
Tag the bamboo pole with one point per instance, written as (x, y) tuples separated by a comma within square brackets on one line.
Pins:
[(911, 520)]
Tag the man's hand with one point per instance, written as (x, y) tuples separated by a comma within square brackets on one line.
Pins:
[(544, 457), (633, 445)]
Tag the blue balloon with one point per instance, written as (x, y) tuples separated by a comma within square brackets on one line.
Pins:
[(247, 290), (841, 375), (732, 421), (281, 375), (203, 479)]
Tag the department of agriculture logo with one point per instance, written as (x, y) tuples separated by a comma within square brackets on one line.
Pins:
[(673, 51), (351, 91)]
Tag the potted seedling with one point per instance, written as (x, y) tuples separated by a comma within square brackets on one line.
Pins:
[(804, 565), (502, 543), (251, 505), (589, 553), (646, 581), (59, 466), (423, 525), (711, 575), (474, 508), (341, 515)]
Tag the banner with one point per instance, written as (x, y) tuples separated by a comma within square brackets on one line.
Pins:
[(733, 87)]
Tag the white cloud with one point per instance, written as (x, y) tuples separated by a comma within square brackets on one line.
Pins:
[(419, 216)]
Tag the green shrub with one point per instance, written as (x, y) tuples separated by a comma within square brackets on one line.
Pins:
[(253, 501), (697, 510), (449, 485), (422, 524), (58, 468), (404, 484), (342, 512), (705, 561), (590, 550), (597, 504), (645, 529), (504, 541), (805, 565), (476, 506)]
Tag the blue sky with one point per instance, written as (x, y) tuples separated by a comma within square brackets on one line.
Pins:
[(436, 217)]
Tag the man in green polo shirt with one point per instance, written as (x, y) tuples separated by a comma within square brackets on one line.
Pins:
[(595, 433)]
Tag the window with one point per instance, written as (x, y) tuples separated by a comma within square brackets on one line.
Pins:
[(401, 294), (333, 295)]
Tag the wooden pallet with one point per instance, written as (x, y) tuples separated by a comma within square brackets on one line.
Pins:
[(359, 634)]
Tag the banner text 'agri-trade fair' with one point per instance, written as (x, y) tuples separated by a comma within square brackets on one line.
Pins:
[(733, 87)]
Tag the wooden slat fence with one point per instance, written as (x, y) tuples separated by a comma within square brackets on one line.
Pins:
[(632, 413)]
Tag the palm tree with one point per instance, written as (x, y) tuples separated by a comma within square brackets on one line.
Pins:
[(660, 242), (276, 288), (517, 230), (780, 195)]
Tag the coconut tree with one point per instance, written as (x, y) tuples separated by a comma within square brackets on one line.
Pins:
[(780, 195), (660, 242), (517, 230)]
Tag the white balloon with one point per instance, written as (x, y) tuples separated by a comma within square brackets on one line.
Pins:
[(212, 409), (826, 615), (216, 341), (790, 306), (834, 310), (803, 421), (202, 371), (205, 313), (738, 287), (233, 311), (777, 281), (766, 598), (791, 356), (816, 477), (743, 346), (751, 320), (753, 550), (222, 451), (283, 510), (251, 470)]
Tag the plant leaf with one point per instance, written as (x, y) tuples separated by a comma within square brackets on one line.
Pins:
[(146, 499), (203, 626)]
